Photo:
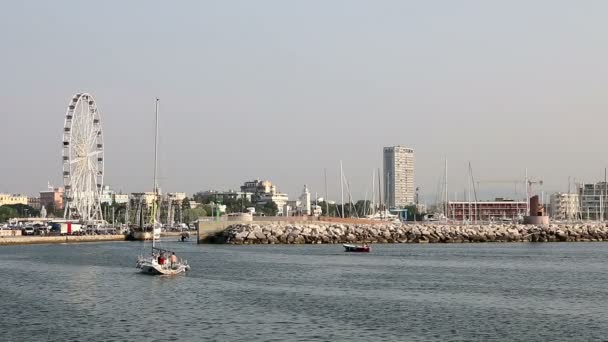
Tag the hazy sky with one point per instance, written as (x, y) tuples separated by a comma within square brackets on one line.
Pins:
[(281, 90)]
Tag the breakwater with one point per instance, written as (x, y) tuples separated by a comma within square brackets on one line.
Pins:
[(319, 232), (27, 240)]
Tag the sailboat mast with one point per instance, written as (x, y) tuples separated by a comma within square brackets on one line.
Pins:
[(155, 173), (326, 198), (447, 200), (379, 192), (373, 194), (342, 188), (156, 146), (527, 195)]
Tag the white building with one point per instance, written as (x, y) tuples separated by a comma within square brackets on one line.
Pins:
[(317, 210), (121, 198), (305, 202), (266, 192), (278, 198), (107, 195), (564, 206), (177, 196), (399, 188)]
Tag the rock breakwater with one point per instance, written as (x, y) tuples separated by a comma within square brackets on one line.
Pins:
[(319, 232)]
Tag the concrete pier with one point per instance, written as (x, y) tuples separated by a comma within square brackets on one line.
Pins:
[(27, 240)]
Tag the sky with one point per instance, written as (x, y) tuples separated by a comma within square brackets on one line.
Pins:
[(283, 90)]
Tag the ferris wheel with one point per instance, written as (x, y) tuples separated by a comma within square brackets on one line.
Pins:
[(83, 159)]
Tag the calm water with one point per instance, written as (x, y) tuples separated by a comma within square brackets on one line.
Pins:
[(482, 292)]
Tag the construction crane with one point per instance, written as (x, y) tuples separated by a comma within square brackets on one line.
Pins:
[(510, 181), (499, 181)]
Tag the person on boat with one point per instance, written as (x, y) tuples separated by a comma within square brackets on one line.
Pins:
[(161, 259), (173, 259)]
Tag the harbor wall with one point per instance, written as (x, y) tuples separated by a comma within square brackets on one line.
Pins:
[(208, 230), (323, 232), (26, 240)]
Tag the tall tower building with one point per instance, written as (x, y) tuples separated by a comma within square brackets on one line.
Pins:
[(399, 188)]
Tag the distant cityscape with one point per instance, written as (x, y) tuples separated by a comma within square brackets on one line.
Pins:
[(399, 195)]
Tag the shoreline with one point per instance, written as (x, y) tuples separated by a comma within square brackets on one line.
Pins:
[(38, 240), (41, 240)]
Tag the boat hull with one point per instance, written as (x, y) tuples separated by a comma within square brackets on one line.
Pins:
[(356, 249), (154, 268)]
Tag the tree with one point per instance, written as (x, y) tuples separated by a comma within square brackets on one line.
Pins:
[(193, 214), (325, 206), (6, 213), (208, 209), (204, 198), (51, 211), (238, 205), (186, 204), (412, 213), (363, 207), (349, 210), (269, 208), (24, 210)]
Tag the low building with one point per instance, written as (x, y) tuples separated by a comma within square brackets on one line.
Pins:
[(177, 196), (121, 198), (52, 198), (564, 206), (34, 202), (278, 198), (499, 209), (107, 195), (110, 196), (317, 210), (8, 199), (143, 197), (223, 196)]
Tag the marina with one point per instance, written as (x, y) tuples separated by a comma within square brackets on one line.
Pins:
[(294, 184)]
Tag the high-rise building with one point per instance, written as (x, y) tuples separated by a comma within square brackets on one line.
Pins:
[(399, 188)]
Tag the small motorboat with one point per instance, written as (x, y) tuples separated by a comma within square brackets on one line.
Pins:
[(354, 248), (184, 237)]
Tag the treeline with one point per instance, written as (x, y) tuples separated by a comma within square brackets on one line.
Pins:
[(10, 211)]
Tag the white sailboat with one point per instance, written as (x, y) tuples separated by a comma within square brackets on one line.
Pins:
[(159, 261)]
